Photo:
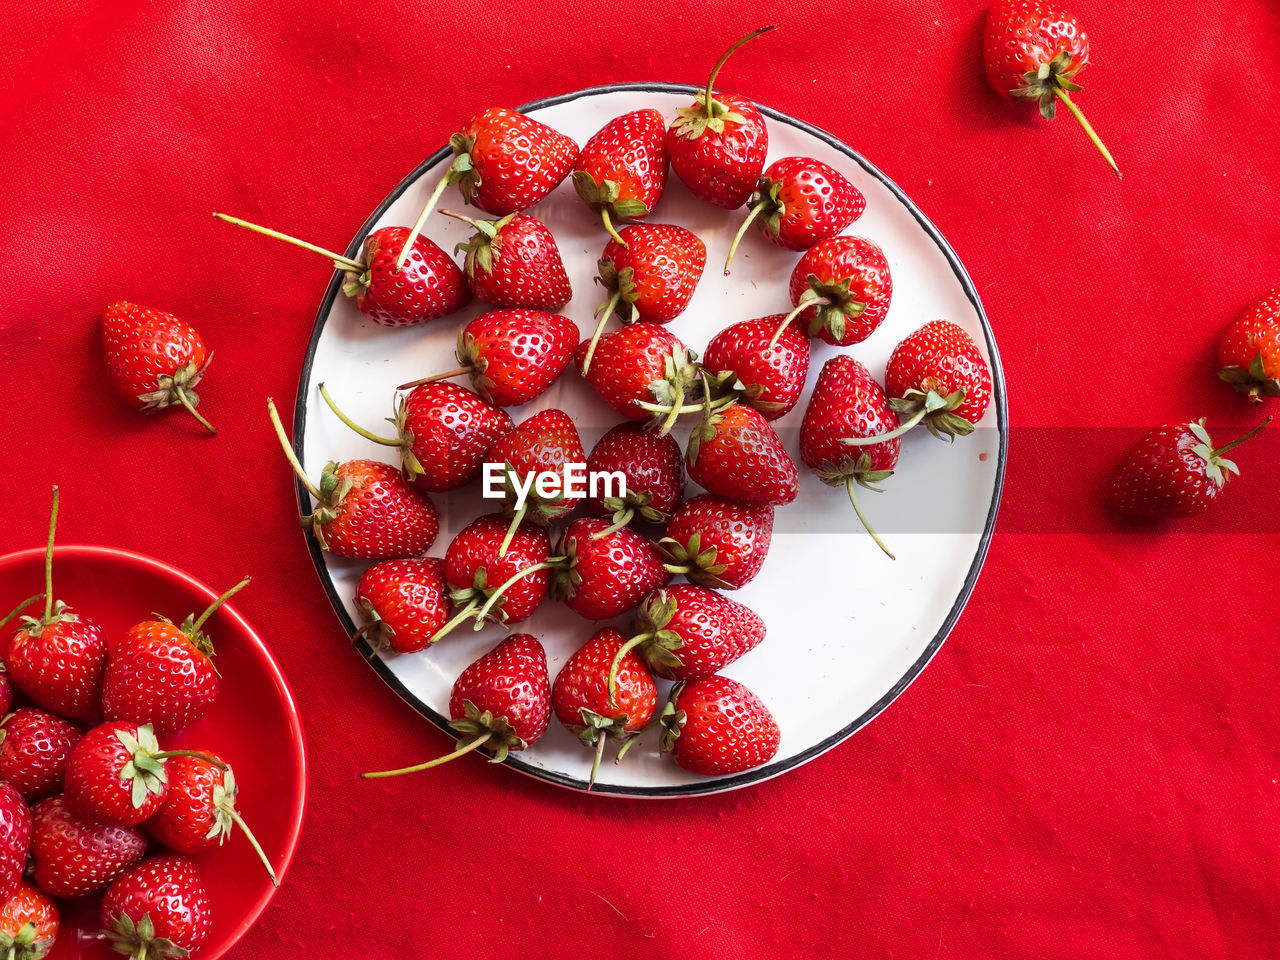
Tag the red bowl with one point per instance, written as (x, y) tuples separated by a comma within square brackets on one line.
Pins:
[(253, 725)]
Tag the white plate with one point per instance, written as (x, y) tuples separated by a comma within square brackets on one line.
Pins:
[(848, 628)]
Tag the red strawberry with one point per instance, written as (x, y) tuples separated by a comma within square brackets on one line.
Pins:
[(643, 371), (736, 455), (514, 262), (28, 924), (582, 701), (1033, 50), (364, 509), (717, 542), (34, 746), (847, 402), (116, 773), (163, 674), (58, 659), (651, 467), (512, 356), (1249, 352), (718, 145), (716, 726), (622, 170), (763, 368), (545, 443), (155, 359), (404, 602), (200, 808), (501, 702), (76, 855), (442, 430), (160, 908), (841, 289), (800, 201), (1174, 472), (15, 838), (6, 693), (428, 284), (606, 572)]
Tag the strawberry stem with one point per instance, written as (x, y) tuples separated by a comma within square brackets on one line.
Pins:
[(459, 216), (1088, 128), (418, 224), (516, 520), (595, 763), (289, 454), (848, 485), (896, 432), (615, 526), (608, 225), (48, 561), (467, 748), (1235, 443), (604, 313), (385, 441), (339, 261), (22, 606), (195, 627), (213, 761), (742, 232), (456, 372), (786, 321), (676, 403), (181, 395), (612, 682), (253, 842), (721, 62), (465, 613), (497, 595)]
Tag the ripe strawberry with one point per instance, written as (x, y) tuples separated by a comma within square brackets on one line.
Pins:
[(759, 366), (605, 573), (159, 908), (1174, 472), (841, 290), (442, 431), (6, 693), (716, 726), (544, 443), (716, 542), (28, 924), (514, 262), (34, 746), (512, 356), (651, 467), (404, 602), (116, 773), (718, 145), (847, 402), (1249, 352), (58, 659), (622, 169), (163, 674), (800, 201), (501, 702), (364, 509), (643, 371), (199, 809), (736, 455), (582, 701), (15, 838), (427, 285), (76, 855), (155, 359), (1033, 50)]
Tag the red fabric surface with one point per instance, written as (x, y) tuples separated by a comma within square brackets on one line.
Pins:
[(1088, 768)]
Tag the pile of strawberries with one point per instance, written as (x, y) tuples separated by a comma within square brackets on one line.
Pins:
[(84, 779)]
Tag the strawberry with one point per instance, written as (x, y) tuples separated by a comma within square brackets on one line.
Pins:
[(199, 809), (159, 908), (364, 508), (116, 773), (652, 470), (512, 356), (501, 702), (841, 289), (15, 838), (718, 145), (736, 455), (605, 571), (643, 371), (800, 201), (622, 169), (76, 855), (155, 359), (545, 443), (847, 402), (514, 262), (6, 693), (503, 162), (759, 366), (1249, 352), (34, 746), (716, 542), (1175, 471), (582, 701), (28, 923), (404, 602), (1033, 50), (58, 659), (442, 430), (427, 285), (163, 674), (716, 726)]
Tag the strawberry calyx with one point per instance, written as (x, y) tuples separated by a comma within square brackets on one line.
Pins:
[(927, 406), (727, 387), (178, 388), (1052, 82), (605, 198), (483, 604), (708, 113), (626, 508), (500, 734), (681, 380), (672, 720), (597, 731), (621, 287), (698, 565), (145, 766), (225, 815), (1252, 380), (23, 945), (833, 306), (654, 643), (328, 495), (537, 509), (1217, 467), (483, 245), (766, 202), (192, 625), (138, 941), (848, 472), (376, 631)]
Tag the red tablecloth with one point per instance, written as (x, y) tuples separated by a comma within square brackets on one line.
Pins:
[(1089, 768)]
